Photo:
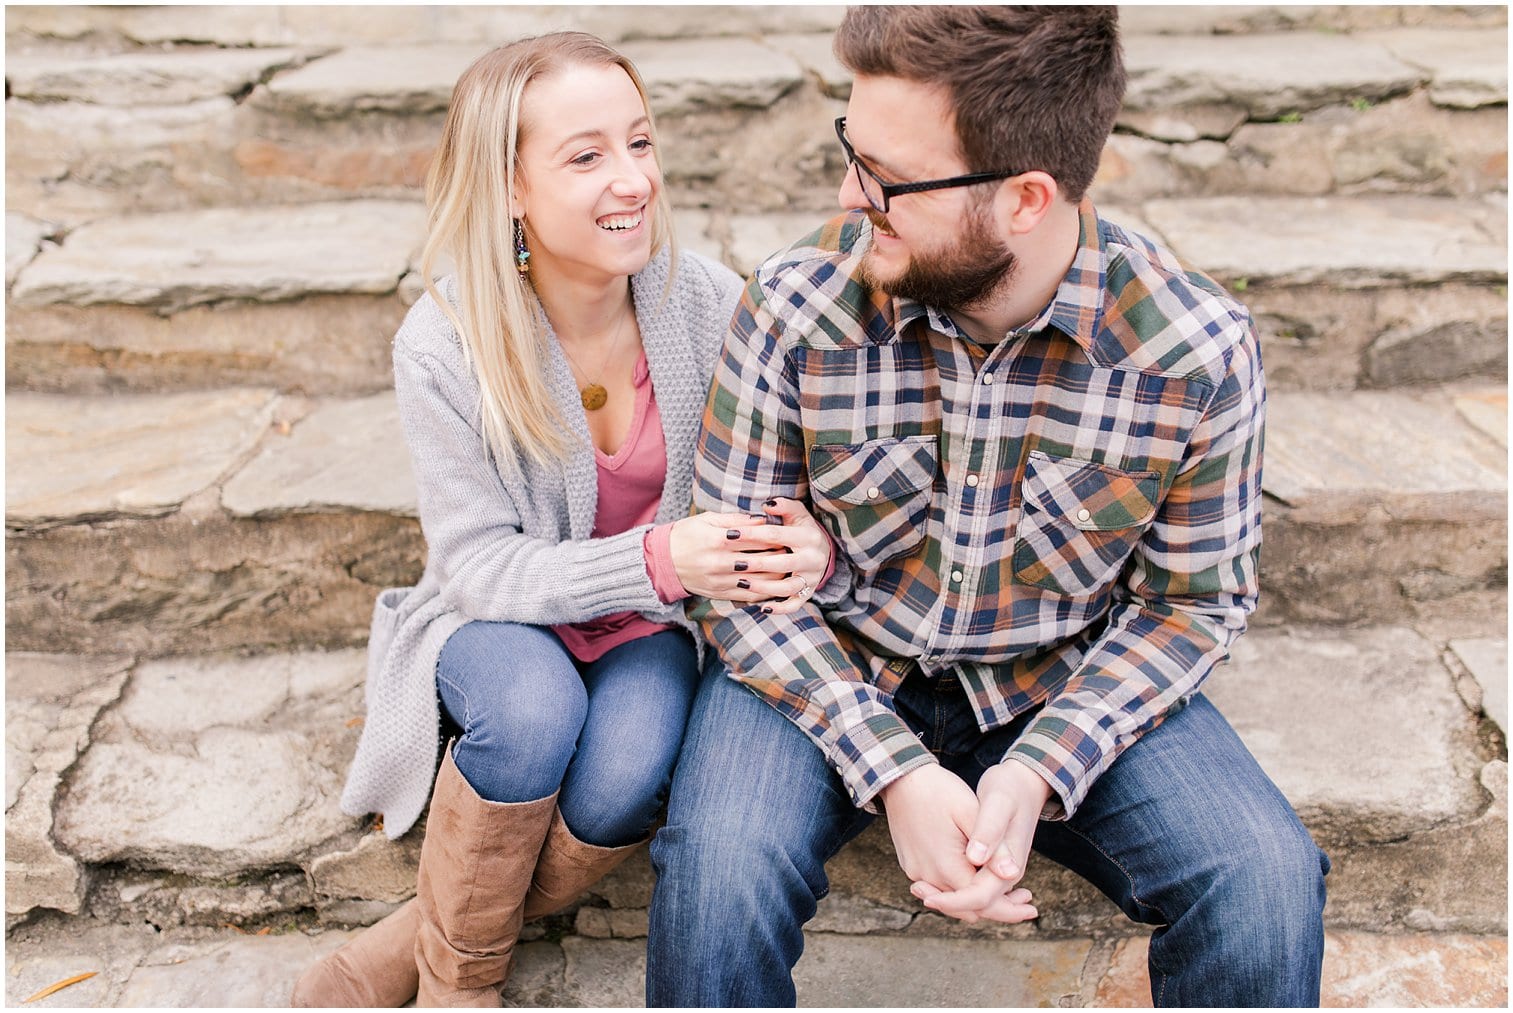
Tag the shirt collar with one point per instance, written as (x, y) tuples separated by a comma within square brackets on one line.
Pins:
[(906, 311), (1076, 310)]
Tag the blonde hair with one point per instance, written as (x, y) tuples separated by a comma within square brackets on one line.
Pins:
[(468, 187)]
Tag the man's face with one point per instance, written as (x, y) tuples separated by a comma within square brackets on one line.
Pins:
[(937, 247)]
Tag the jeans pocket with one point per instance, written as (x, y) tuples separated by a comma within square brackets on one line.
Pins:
[(1079, 523), (876, 494)]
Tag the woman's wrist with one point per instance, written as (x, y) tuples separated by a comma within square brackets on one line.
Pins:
[(657, 547)]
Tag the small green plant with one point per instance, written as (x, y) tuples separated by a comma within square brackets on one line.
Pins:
[(1240, 284), (1292, 117), (1360, 105)]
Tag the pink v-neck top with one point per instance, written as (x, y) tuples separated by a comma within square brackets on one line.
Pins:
[(630, 490)]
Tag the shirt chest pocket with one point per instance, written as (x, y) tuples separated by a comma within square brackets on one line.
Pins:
[(877, 493), (1080, 523)]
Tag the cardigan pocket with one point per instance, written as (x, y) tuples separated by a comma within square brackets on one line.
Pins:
[(1079, 523), (384, 624), (877, 495)]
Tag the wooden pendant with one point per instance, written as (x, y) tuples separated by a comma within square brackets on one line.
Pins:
[(593, 397)]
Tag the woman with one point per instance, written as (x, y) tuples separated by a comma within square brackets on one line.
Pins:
[(551, 393)]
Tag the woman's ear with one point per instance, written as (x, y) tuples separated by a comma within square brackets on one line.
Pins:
[(518, 198)]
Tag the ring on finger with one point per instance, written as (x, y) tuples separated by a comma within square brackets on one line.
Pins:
[(807, 591)]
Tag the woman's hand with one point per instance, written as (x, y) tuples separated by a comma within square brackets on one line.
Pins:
[(777, 559)]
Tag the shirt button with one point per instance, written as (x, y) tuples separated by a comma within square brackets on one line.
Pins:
[(1084, 515), (987, 378), (972, 481), (956, 576), (874, 492)]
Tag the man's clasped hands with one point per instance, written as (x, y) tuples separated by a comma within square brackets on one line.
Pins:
[(965, 852)]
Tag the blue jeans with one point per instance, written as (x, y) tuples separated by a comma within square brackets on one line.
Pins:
[(1183, 832), (533, 719)]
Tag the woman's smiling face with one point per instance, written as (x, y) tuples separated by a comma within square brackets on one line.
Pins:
[(590, 177)]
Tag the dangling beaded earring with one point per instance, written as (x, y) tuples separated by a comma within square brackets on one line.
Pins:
[(522, 255)]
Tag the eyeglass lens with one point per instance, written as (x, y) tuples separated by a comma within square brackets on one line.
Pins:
[(870, 188)]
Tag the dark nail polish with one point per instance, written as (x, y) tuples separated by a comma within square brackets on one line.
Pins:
[(732, 534), (742, 566), (766, 610), (771, 502), (743, 584)]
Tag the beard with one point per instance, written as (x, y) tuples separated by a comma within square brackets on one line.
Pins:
[(963, 275)]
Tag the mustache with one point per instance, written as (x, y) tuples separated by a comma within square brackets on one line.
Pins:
[(879, 221)]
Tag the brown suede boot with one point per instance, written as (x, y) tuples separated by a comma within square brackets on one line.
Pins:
[(567, 867), (377, 969), (475, 869)]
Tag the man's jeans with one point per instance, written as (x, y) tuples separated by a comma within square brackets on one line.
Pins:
[(532, 719), (1183, 832)]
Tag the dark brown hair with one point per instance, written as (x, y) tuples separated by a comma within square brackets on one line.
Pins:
[(1033, 87)]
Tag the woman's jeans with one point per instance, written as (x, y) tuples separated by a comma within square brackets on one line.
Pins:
[(1183, 832), (534, 719)]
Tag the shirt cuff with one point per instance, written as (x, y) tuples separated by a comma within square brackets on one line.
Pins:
[(1064, 756), (874, 753), (664, 576)]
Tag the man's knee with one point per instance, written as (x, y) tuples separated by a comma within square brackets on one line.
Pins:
[(1269, 887), (728, 899)]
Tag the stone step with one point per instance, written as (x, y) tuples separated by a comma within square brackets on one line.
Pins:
[(1385, 505), (121, 28), (189, 968), (1347, 291), (110, 29), (118, 803), (301, 297), (1378, 107), (174, 523)]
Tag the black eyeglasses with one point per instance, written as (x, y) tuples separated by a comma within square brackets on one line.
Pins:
[(879, 194)]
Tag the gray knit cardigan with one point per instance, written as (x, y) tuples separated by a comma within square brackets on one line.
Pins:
[(517, 549)]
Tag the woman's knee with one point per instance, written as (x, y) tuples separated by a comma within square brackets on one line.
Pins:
[(520, 704), (637, 714), (612, 805), (511, 680), (619, 778)]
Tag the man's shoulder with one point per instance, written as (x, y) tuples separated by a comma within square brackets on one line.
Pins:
[(1162, 315), (817, 278), (835, 241)]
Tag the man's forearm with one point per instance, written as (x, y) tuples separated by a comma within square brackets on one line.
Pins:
[(1149, 661), (796, 664)]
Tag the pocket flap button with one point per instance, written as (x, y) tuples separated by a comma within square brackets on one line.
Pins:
[(873, 492), (1084, 515)]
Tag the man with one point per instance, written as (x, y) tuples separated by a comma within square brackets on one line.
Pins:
[(1036, 440)]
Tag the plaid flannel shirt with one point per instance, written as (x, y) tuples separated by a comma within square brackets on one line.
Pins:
[(1070, 518)]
